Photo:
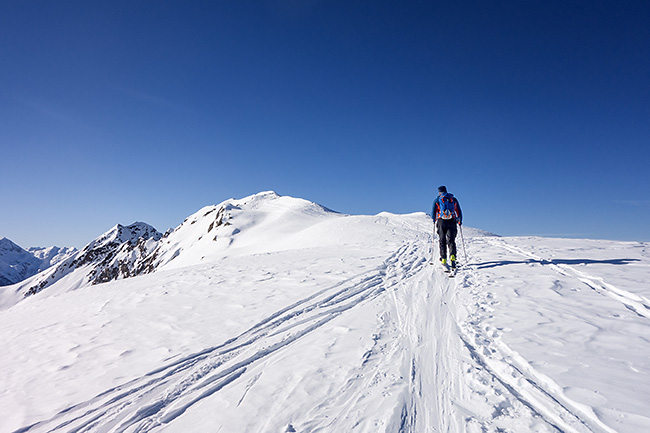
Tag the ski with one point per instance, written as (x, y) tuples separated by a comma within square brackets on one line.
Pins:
[(450, 270)]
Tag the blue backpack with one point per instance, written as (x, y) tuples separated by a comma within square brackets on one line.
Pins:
[(447, 207)]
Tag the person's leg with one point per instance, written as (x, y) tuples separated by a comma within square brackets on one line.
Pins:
[(451, 239), (442, 238)]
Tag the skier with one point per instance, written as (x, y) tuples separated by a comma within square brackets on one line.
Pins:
[(446, 214)]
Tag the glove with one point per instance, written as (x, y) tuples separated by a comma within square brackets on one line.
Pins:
[(460, 223)]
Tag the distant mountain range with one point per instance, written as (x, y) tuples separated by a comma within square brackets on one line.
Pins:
[(116, 254), (18, 264)]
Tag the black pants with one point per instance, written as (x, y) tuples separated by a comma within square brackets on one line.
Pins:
[(447, 231)]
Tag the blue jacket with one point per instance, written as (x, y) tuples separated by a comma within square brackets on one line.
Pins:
[(435, 212)]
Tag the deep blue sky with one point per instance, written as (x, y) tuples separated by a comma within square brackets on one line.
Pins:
[(536, 114)]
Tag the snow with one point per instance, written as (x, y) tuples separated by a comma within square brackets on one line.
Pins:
[(51, 256), (297, 318)]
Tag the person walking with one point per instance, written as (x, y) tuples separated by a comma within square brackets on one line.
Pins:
[(446, 214)]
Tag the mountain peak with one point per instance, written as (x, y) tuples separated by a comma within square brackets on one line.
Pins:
[(260, 197), (266, 194), (8, 245), (130, 233)]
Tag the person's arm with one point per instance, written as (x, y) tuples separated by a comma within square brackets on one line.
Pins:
[(460, 214), (434, 211)]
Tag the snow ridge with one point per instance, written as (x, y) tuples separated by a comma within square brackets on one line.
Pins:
[(258, 223)]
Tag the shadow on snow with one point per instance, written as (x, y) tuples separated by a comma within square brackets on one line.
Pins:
[(496, 263)]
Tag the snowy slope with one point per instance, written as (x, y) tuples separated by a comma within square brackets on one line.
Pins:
[(339, 324), (17, 264), (259, 223)]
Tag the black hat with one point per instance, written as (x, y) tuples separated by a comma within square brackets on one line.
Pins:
[(442, 188)]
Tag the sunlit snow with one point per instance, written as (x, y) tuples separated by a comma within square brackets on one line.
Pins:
[(274, 314)]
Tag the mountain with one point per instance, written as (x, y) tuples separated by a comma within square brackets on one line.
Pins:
[(18, 264), (259, 223), (113, 255), (274, 314)]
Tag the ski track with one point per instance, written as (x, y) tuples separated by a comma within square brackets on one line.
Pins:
[(433, 370), (434, 342), (348, 404), (163, 394), (635, 303), (532, 388)]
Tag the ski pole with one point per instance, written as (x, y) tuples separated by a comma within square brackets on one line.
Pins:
[(463, 239), (433, 241)]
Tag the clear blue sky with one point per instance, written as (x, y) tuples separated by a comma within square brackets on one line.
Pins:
[(536, 114)]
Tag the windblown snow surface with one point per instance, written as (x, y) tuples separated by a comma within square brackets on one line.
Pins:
[(293, 318)]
